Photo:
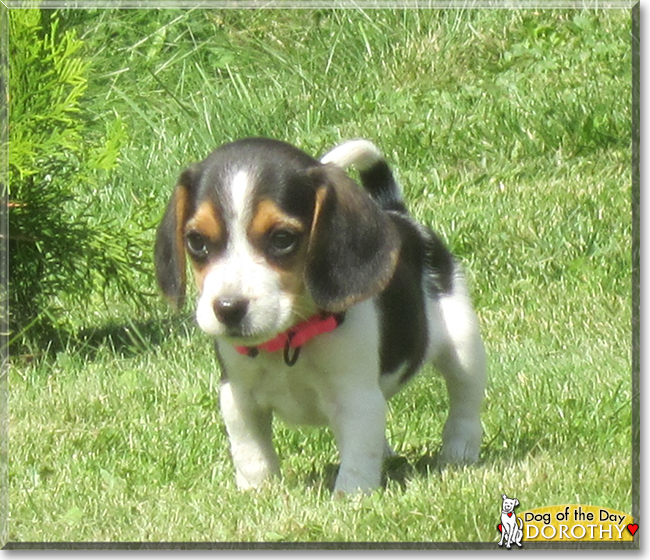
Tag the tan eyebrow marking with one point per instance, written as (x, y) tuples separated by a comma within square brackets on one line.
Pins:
[(206, 222), (268, 215)]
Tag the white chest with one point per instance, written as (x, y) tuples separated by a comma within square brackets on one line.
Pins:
[(330, 365), (293, 393)]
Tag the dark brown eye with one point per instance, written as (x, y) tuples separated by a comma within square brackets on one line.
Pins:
[(283, 242), (196, 244)]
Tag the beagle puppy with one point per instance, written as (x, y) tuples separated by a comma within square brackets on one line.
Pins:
[(324, 298)]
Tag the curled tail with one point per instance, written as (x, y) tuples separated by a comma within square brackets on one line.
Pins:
[(376, 176)]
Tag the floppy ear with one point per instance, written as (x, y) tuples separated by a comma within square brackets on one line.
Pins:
[(170, 246), (353, 247)]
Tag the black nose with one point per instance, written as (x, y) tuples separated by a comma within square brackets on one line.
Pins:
[(230, 310)]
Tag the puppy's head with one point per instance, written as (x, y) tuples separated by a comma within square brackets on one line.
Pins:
[(272, 236)]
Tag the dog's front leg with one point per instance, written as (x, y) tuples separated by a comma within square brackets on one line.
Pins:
[(359, 425), (249, 431)]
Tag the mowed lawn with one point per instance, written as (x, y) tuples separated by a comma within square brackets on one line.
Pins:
[(510, 131)]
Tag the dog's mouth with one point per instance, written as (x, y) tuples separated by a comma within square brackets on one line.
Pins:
[(241, 336), (244, 335)]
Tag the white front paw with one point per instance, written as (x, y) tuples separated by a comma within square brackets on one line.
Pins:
[(353, 481), (254, 467), (461, 441), (251, 478)]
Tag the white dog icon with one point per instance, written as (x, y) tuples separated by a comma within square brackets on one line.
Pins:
[(511, 532)]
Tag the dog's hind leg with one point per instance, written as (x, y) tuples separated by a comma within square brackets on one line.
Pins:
[(461, 360)]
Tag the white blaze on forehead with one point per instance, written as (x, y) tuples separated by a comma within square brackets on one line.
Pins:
[(238, 254), (240, 193)]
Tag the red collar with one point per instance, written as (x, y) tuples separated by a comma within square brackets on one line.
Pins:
[(296, 336)]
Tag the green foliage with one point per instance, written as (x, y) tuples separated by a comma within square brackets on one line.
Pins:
[(61, 247)]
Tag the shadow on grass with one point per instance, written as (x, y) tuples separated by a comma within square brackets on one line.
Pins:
[(398, 470), (395, 470), (132, 337), (126, 338)]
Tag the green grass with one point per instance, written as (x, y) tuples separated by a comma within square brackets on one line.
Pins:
[(510, 131)]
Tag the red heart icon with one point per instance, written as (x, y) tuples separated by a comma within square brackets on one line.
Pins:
[(633, 528), (510, 514), (500, 528)]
